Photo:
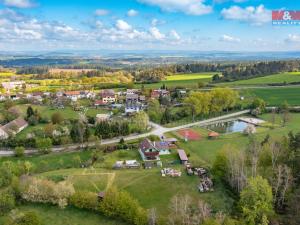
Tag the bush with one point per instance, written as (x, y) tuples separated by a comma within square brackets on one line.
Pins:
[(27, 218), (44, 145), (84, 200), (7, 202), (122, 205), (57, 118), (45, 191), (19, 151)]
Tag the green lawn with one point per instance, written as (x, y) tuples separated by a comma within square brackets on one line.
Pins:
[(276, 96), (52, 215), (271, 79), (147, 186), (54, 161), (181, 80), (203, 152)]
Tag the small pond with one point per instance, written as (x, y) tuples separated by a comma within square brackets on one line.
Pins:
[(228, 126)]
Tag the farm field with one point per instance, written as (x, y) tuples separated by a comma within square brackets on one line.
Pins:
[(271, 79), (181, 80), (275, 96)]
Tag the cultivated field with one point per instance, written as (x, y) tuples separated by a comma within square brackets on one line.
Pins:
[(275, 96), (182, 80), (271, 79)]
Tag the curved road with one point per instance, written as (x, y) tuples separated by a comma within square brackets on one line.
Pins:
[(157, 130)]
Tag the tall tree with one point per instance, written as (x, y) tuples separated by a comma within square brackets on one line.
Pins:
[(257, 201), (29, 112)]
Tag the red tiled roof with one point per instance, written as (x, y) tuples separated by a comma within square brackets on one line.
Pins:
[(72, 93), (100, 102)]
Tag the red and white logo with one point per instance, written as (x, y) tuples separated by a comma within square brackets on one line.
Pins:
[(286, 17)]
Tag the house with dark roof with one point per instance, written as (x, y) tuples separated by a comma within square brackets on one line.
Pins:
[(134, 103), (150, 151), (108, 96)]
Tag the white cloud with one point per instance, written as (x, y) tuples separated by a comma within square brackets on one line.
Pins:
[(123, 25), (227, 38), (174, 35), (155, 22), (101, 12), (156, 34), (19, 3), (236, 1), (253, 15), (293, 38), (132, 13), (17, 28), (98, 24), (190, 7)]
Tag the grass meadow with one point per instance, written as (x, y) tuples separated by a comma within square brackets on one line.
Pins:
[(271, 79)]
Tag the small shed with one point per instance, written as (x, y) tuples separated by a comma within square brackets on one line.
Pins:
[(183, 157), (213, 135)]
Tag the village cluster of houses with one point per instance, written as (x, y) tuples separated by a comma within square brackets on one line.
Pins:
[(132, 99)]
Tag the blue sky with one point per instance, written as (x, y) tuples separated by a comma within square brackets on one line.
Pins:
[(204, 25)]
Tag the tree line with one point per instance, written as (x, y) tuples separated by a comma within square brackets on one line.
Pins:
[(265, 177)]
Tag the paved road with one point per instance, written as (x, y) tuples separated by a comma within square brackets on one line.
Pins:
[(157, 130)]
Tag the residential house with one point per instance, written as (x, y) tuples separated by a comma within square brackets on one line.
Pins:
[(90, 94), (37, 96), (99, 103), (108, 96), (59, 94), (133, 91), (150, 151), (2, 97), (12, 128), (3, 134), (13, 85), (132, 104), (73, 95), (155, 94), (15, 97)]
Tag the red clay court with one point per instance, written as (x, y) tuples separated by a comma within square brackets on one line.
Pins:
[(189, 134)]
